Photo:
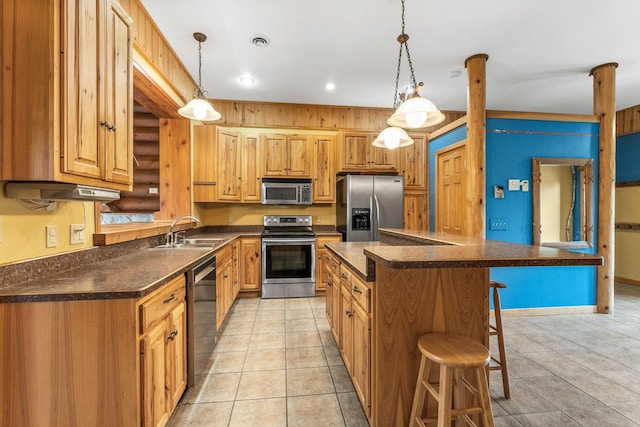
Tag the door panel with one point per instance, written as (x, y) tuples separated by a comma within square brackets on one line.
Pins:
[(450, 190)]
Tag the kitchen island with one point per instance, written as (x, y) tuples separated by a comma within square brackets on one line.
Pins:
[(422, 282)]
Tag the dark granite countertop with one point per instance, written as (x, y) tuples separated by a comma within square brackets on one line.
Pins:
[(132, 275), (422, 249)]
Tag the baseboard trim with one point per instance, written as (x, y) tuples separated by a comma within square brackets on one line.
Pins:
[(546, 311), (627, 281)]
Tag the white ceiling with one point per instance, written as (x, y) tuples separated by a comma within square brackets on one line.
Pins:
[(540, 51)]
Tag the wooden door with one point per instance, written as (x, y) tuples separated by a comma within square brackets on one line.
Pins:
[(355, 151), (274, 155), (324, 170), (250, 265), (177, 354), (299, 152), (83, 46), (119, 96), (229, 166), (250, 168), (450, 189), (154, 379)]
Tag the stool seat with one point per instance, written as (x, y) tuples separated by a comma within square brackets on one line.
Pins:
[(454, 351), (455, 356)]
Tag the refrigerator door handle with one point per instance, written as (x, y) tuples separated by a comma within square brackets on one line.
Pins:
[(372, 225), (376, 233)]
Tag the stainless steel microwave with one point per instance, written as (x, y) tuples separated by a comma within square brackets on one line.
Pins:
[(286, 191)]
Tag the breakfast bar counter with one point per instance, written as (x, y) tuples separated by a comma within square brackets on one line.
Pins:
[(424, 282)]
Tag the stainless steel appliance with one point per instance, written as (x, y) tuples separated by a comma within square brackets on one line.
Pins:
[(286, 191), (367, 202), (201, 315), (288, 257)]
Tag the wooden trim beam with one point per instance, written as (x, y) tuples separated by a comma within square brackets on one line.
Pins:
[(448, 128), (604, 106), (524, 115), (476, 143)]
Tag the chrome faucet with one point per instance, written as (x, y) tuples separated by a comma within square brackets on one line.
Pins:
[(171, 237)]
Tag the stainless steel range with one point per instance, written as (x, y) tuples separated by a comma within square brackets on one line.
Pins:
[(288, 257)]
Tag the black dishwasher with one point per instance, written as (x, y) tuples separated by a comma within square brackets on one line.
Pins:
[(202, 310)]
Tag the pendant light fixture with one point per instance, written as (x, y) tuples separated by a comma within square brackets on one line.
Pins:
[(199, 108), (412, 111)]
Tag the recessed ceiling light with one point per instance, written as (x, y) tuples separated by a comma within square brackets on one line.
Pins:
[(330, 86), (454, 74), (260, 41), (247, 81)]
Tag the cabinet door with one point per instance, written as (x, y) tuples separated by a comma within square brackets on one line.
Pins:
[(119, 96), (413, 164), (354, 151), (299, 155), (250, 264), (346, 328), (83, 65), (228, 164), (336, 297), (329, 297), (224, 284), (204, 163), (416, 216), (324, 170), (177, 355), (274, 155), (321, 260), (251, 168), (383, 159), (361, 364), (235, 276), (154, 385)]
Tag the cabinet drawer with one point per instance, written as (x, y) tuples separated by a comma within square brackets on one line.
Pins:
[(345, 276), (361, 293), (162, 302), (333, 265)]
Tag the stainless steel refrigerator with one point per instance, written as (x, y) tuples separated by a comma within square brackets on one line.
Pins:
[(367, 202)]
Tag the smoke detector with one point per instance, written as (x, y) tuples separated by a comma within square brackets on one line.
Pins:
[(260, 41)]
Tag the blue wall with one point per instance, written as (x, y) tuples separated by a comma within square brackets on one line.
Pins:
[(511, 143), (628, 158)]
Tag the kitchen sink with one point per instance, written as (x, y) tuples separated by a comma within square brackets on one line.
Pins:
[(205, 240), (196, 243)]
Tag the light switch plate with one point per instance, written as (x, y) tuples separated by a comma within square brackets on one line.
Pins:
[(514, 185), (76, 234), (52, 236), (525, 184)]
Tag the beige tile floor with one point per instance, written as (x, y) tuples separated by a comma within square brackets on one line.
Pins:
[(276, 364)]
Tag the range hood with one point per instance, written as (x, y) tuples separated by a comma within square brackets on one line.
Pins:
[(33, 190)]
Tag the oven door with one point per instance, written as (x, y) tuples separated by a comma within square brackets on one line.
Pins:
[(288, 267)]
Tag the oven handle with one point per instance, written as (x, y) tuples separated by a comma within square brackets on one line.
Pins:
[(287, 241)]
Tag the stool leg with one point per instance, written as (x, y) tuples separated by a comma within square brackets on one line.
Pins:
[(459, 393), (420, 396), (446, 396), (500, 336), (483, 397)]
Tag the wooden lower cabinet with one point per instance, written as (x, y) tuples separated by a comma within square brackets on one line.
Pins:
[(163, 349), (249, 272), (349, 312), (321, 258), (224, 284)]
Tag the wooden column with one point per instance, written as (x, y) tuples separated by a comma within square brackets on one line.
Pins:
[(476, 142), (604, 106)]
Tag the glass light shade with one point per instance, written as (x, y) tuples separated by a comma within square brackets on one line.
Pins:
[(392, 137), (199, 109), (416, 113)]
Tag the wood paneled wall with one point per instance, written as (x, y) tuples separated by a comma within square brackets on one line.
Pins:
[(628, 120), (305, 116), (148, 40)]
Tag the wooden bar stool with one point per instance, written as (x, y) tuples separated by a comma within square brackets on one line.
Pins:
[(500, 364), (453, 354)]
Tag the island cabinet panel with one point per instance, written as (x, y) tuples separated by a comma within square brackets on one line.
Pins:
[(407, 304), (69, 363)]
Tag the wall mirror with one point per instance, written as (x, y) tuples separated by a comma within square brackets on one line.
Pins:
[(562, 210)]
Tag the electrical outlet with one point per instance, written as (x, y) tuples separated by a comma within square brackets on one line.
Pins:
[(318, 219), (230, 219), (52, 236), (525, 184), (76, 234), (514, 185), (499, 224)]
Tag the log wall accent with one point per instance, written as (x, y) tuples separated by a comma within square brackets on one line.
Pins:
[(604, 106)]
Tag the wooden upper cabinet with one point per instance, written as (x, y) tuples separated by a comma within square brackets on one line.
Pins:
[(413, 164), (251, 179), (324, 169), (68, 98), (204, 164), (356, 154), (286, 155), (228, 165)]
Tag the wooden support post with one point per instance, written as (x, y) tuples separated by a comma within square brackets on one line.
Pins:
[(476, 142), (604, 106)]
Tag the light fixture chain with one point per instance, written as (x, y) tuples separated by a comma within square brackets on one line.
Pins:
[(199, 69), (396, 99)]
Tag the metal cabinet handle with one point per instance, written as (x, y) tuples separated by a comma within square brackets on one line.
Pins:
[(348, 313), (329, 283), (172, 335), (171, 298), (356, 290), (344, 276), (225, 276)]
